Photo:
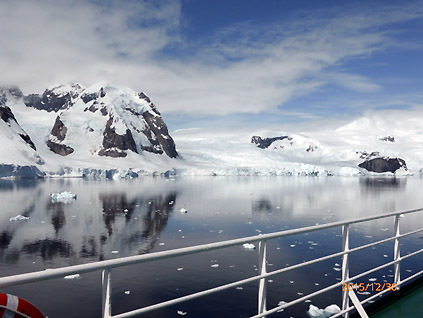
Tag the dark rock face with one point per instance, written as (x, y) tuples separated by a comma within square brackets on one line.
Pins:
[(381, 165), (388, 138), (28, 140), (59, 132), (264, 143), (59, 129), (15, 91), (115, 144), (7, 116), (367, 156), (52, 101), (86, 98), (145, 97), (60, 149), (311, 148), (163, 139)]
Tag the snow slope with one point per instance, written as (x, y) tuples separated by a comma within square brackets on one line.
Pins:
[(394, 134), (17, 148)]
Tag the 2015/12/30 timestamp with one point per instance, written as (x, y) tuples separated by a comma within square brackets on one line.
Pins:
[(362, 287)]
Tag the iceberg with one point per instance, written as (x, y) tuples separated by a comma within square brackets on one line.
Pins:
[(63, 197)]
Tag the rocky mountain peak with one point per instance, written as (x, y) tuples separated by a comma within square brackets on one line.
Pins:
[(116, 121), (55, 98)]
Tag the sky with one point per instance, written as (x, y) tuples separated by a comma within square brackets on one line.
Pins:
[(214, 63)]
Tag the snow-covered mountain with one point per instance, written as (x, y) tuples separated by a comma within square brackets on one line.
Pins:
[(113, 132), (18, 152), (92, 130), (382, 141), (112, 121)]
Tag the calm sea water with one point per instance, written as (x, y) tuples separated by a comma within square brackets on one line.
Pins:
[(121, 218)]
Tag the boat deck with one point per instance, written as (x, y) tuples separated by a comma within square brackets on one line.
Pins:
[(408, 306)]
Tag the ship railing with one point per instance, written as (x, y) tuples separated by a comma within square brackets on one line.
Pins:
[(263, 275)]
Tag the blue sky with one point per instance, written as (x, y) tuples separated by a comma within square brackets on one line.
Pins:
[(224, 63)]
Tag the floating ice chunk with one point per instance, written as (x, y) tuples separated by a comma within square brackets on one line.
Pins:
[(19, 218), (384, 229), (63, 197), (384, 255), (315, 312), (115, 252), (292, 245), (363, 293), (239, 288), (127, 292), (214, 265), (171, 202), (181, 313), (125, 210), (331, 310), (337, 269), (280, 304), (182, 210), (372, 279), (248, 246), (161, 244), (180, 269), (73, 277)]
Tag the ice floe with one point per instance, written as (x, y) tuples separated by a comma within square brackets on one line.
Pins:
[(19, 218), (72, 277), (248, 246)]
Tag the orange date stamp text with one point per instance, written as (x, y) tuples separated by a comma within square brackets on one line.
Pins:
[(363, 287)]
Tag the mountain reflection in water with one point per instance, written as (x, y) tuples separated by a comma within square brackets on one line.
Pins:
[(132, 220)]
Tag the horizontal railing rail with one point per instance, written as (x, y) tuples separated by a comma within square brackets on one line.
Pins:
[(108, 265)]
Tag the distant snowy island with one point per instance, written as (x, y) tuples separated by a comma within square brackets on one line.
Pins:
[(110, 132)]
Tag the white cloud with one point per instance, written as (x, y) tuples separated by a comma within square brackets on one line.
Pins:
[(244, 68)]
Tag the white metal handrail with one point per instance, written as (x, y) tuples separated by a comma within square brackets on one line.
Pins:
[(107, 266)]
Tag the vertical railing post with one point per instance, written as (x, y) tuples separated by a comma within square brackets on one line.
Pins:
[(345, 266), (263, 281), (397, 255), (106, 282)]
